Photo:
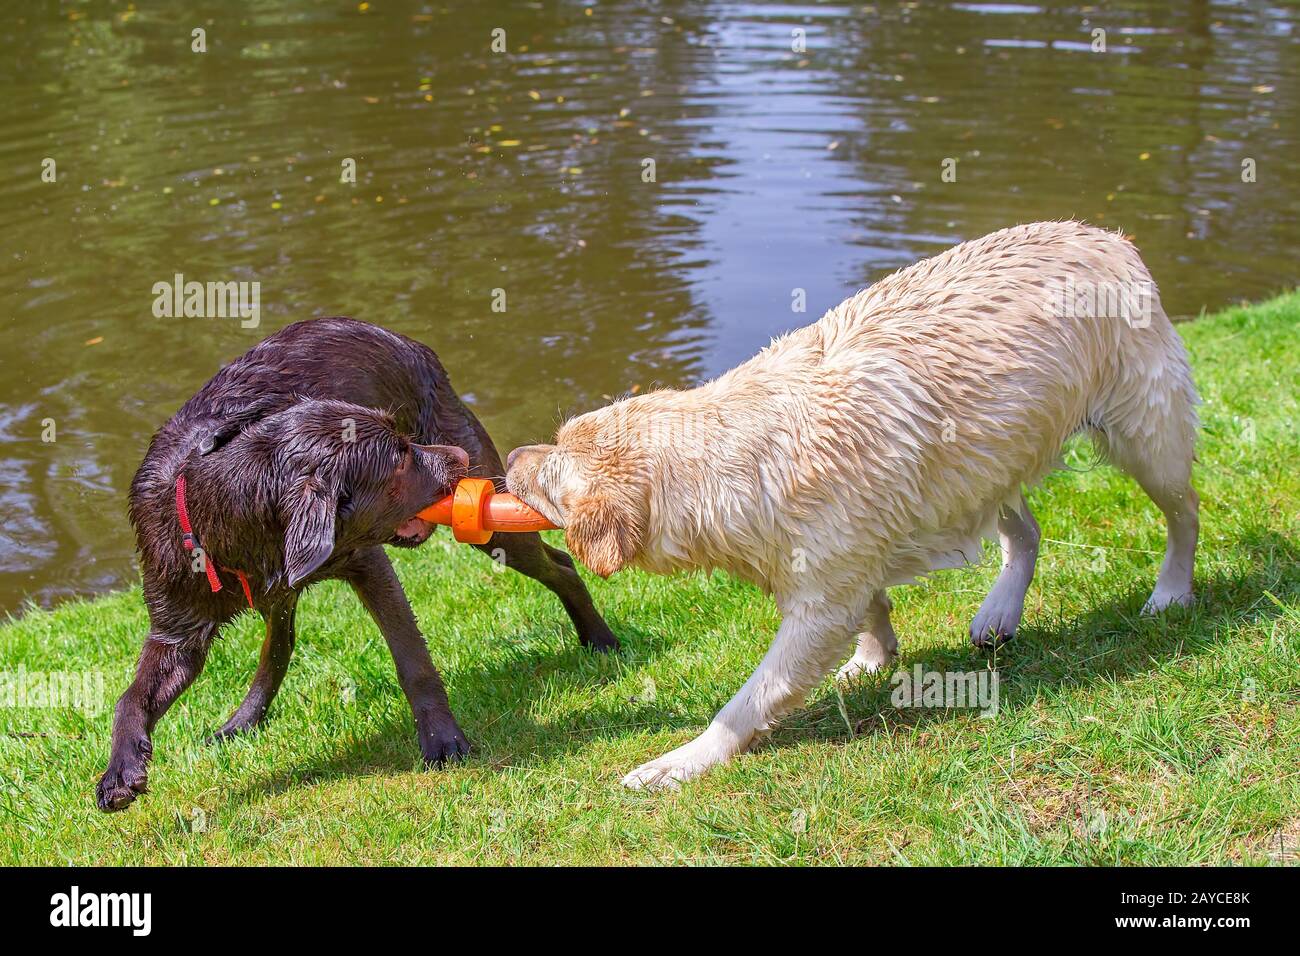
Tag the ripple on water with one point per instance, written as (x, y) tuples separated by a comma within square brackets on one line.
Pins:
[(796, 146)]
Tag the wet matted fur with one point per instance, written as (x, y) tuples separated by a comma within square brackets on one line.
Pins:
[(880, 443), (302, 458)]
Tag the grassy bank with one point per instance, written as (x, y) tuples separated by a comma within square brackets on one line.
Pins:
[(1118, 739)]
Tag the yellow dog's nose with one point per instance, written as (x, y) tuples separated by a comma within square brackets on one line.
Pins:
[(510, 458)]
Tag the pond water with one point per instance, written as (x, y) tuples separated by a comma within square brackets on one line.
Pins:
[(795, 147)]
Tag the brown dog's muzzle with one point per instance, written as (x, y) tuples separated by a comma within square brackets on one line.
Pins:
[(451, 451)]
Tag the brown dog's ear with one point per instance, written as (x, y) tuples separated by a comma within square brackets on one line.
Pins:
[(604, 532), (229, 426), (309, 534)]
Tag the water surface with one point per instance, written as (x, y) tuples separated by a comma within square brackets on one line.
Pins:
[(776, 170)]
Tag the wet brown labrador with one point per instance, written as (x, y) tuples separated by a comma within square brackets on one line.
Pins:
[(295, 464)]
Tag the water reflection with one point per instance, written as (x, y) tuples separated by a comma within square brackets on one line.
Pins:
[(776, 169)]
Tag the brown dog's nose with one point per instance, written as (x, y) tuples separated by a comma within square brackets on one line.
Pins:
[(452, 451)]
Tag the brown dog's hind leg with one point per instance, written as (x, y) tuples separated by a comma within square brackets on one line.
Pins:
[(166, 668), (529, 554), (277, 649), (372, 576)]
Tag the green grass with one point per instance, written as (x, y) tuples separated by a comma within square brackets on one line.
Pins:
[(1120, 739)]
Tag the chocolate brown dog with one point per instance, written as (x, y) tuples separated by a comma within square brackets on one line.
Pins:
[(293, 465)]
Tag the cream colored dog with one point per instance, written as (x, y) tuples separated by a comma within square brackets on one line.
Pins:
[(881, 443)]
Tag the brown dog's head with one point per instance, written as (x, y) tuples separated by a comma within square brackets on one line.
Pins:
[(340, 477), (594, 483)]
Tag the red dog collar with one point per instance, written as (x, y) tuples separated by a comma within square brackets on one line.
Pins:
[(191, 542)]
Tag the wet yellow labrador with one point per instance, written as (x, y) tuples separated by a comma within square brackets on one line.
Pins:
[(884, 442)]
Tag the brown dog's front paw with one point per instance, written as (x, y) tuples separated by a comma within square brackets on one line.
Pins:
[(119, 786), (600, 639), (443, 743)]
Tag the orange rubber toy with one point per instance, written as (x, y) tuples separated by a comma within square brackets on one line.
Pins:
[(475, 510)]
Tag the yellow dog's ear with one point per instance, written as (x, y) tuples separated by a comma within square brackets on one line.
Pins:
[(605, 531)]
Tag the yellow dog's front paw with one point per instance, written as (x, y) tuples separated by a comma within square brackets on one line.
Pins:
[(671, 770)]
